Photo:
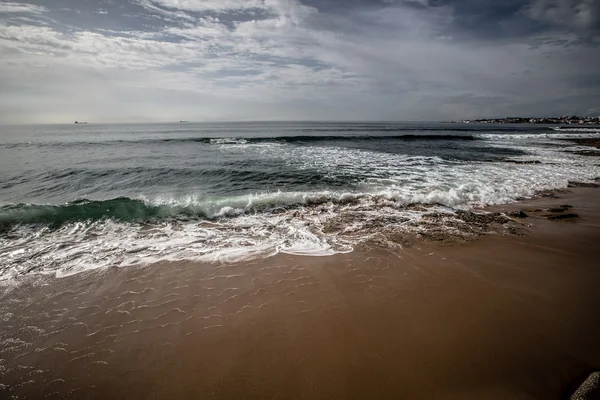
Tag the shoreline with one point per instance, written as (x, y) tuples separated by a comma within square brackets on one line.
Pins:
[(334, 197), (500, 316)]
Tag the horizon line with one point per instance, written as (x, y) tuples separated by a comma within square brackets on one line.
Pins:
[(225, 122)]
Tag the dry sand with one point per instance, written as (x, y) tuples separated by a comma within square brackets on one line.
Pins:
[(503, 317)]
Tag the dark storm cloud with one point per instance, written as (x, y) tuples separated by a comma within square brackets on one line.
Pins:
[(290, 59)]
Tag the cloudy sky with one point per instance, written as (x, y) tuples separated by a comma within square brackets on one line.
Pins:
[(205, 60)]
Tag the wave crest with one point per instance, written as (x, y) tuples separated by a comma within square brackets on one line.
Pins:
[(121, 209), (293, 139)]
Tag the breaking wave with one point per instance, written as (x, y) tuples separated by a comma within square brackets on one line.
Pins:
[(83, 235), (128, 210), (297, 139), (121, 209), (583, 130), (237, 197)]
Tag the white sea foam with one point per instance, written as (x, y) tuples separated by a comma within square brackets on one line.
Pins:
[(575, 133), (578, 129), (228, 141), (264, 224)]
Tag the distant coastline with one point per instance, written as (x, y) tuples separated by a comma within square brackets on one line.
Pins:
[(565, 120)]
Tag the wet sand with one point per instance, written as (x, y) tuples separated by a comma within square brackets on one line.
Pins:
[(505, 316)]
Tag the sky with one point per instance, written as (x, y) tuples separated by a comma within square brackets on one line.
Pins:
[(343, 60)]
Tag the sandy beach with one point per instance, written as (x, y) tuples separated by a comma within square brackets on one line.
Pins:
[(299, 199), (503, 316)]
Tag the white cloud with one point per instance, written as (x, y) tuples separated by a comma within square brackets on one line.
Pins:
[(169, 15), (209, 5), (290, 7), (397, 62), (10, 7)]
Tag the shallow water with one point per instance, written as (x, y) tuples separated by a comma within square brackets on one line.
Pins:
[(75, 197)]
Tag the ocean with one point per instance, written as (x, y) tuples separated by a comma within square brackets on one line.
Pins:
[(80, 197)]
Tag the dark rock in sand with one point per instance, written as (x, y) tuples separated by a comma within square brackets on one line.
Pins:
[(566, 206), (486, 218), (517, 229), (557, 209), (532, 210), (589, 389), (562, 216), (517, 214), (551, 194), (583, 184)]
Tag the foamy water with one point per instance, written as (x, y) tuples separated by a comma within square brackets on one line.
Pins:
[(101, 199)]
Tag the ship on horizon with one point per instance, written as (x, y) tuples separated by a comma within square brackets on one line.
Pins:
[(81, 122)]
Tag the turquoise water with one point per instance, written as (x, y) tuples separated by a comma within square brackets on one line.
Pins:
[(212, 190)]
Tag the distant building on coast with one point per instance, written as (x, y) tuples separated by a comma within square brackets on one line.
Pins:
[(564, 120)]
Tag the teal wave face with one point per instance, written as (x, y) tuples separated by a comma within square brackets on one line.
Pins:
[(124, 209), (120, 209)]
